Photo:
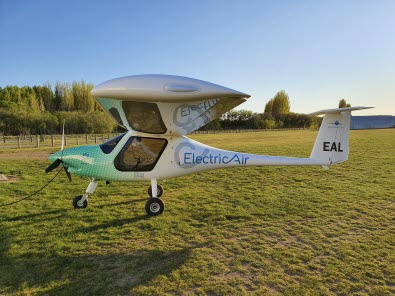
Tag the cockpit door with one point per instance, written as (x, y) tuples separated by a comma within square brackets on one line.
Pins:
[(140, 154)]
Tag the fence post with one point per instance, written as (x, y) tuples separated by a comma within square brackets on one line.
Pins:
[(102, 138), (86, 139), (37, 141), (95, 139), (78, 142), (52, 140), (65, 140), (19, 141)]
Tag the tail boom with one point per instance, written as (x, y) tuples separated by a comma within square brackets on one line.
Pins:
[(331, 146)]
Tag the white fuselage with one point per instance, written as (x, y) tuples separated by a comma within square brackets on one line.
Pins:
[(183, 156)]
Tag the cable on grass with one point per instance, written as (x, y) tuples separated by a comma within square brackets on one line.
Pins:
[(34, 193)]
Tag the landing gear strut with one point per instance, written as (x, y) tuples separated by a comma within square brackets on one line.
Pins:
[(154, 205), (81, 201)]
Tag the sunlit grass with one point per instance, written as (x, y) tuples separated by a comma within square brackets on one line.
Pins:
[(278, 230)]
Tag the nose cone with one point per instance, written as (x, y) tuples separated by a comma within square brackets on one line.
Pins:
[(55, 156)]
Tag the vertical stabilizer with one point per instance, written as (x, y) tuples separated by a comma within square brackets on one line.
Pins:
[(332, 143)]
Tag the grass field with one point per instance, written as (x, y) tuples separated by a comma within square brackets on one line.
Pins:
[(241, 231)]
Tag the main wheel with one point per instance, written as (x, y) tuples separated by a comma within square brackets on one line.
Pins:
[(159, 191), (78, 204), (154, 206)]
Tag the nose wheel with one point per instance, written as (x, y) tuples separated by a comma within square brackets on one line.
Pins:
[(80, 202)]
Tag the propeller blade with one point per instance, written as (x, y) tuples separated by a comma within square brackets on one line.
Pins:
[(67, 173), (62, 146), (53, 165)]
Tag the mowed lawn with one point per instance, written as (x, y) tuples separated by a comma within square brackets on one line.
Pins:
[(240, 231)]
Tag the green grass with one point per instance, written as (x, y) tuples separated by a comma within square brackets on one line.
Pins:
[(259, 230)]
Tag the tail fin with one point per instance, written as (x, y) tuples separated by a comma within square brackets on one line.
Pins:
[(332, 143)]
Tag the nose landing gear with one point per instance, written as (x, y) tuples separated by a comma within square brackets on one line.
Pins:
[(81, 201)]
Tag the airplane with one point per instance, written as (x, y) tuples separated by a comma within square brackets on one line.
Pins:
[(158, 111)]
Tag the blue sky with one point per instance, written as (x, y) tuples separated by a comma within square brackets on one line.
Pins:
[(317, 51)]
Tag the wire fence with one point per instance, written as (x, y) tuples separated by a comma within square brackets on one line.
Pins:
[(37, 141), (235, 131)]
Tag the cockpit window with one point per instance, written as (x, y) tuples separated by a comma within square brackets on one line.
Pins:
[(140, 154), (108, 147), (144, 117)]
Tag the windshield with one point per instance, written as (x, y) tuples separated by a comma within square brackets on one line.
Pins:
[(108, 147)]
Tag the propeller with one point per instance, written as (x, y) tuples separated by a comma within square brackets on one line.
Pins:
[(67, 173), (58, 161), (53, 165)]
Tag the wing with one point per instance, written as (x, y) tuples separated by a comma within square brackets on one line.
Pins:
[(164, 104)]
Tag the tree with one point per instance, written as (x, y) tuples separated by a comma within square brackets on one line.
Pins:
[(58, 97), (46, 96), (269, 107), (281, 105), (343, 104)]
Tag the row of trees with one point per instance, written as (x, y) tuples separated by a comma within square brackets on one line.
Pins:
[(62, 97), (42, 109), (245, 119), (23, 122)]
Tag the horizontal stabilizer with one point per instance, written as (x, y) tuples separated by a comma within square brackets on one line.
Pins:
[(339, 110)]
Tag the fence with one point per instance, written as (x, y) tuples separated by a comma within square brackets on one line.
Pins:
[(234, 131), (37, 141)]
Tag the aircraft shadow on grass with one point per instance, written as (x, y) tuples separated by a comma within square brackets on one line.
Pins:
[(108, 274), (36, 215), (127, 202), (112, 223)]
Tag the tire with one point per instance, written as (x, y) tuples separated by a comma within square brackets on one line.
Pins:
[(154, 206), (77, 204), (159, 191)]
